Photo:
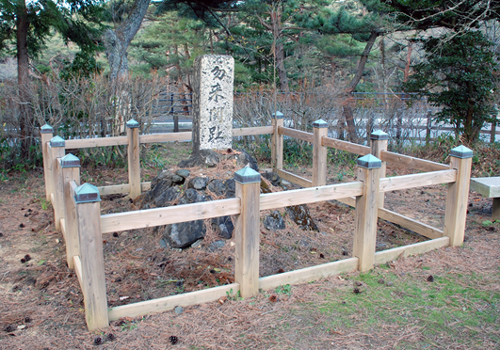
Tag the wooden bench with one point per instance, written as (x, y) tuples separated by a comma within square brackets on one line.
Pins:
[(488, 187)]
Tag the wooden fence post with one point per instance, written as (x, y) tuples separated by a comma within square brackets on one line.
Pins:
[(365, 234), (247, 238), (379, 141), (277, 142), (88, 214), (320, 153), (46, 133), (70, 166), (56, 150), (458, 195), (134, 160)]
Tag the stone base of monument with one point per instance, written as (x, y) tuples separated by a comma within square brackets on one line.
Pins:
[(195, 183)]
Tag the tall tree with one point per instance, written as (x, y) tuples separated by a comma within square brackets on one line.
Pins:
[(27, 26)]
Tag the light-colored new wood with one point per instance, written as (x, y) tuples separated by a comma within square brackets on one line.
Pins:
[(77, 263), (113, 189), (62, 225), (45, 138), (53, 154), (57, 181), (417, 180), (277, 145), (285, 175), (413, 249), (123, 188), (365, 231), (309, 274), (168, 303), (91, 255), (410, 224), (159, 138), (164, 216), (320, 153), (257, 130), (71, 179), (411, 162), (345, 146), (134, 162), (97, 142), (457, 201), (350, 201), (296, 134), (247, 239), (310, 195), (377, 147)]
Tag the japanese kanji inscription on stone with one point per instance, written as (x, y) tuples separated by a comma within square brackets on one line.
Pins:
[(213, 102)]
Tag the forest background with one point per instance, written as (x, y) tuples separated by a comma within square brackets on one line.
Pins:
[(86, 67)]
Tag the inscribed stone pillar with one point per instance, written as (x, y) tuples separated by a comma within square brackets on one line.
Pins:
[(213, 102)]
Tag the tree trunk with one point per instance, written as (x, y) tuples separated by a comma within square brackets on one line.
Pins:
[(279, 50), (349, 101), (25, 122)]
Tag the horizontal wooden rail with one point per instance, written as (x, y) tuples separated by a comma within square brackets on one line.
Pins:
[(345, 146), (417, 180), (77, 263), (97, 142), (310, 195), (258, 130), (308, 274), (417, 248), (168, 303), (164, 216), (297, 134), (412, 162), (410, 224), (165, 137), (120, 189), (288, 176)]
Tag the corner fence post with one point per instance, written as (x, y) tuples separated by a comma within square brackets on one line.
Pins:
[(88, 214), (277, 142), (70, 166), (319, 153), (56, 150), (46, 133), (134, 161), (247, 230), (458, 195), (378, 144), (365, 234)]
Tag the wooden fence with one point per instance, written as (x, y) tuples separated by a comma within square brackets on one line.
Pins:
[(77, 211)]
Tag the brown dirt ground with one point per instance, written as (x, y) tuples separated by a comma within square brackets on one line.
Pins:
[(43, 299)]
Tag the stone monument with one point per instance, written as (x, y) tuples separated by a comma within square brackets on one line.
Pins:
[(213, 103)]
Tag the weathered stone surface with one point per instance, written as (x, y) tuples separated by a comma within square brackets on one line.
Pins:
[(165, 198), (213, 102), (198, 183), (183, 173), (223, 226), (272, 177), (230, 188), (243, 159), (217, 186), (182, 235), (274, 221), (205, 157), (192, 196), (217, 245), (301, 216)]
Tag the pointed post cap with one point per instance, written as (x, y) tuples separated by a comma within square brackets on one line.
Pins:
[(87, 193), (278, 115), (379, 135), (132, 124), (461, 152), (57, 141), (369, 162), (320, 123), (46, 129), (247, 176), (70, 161)]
